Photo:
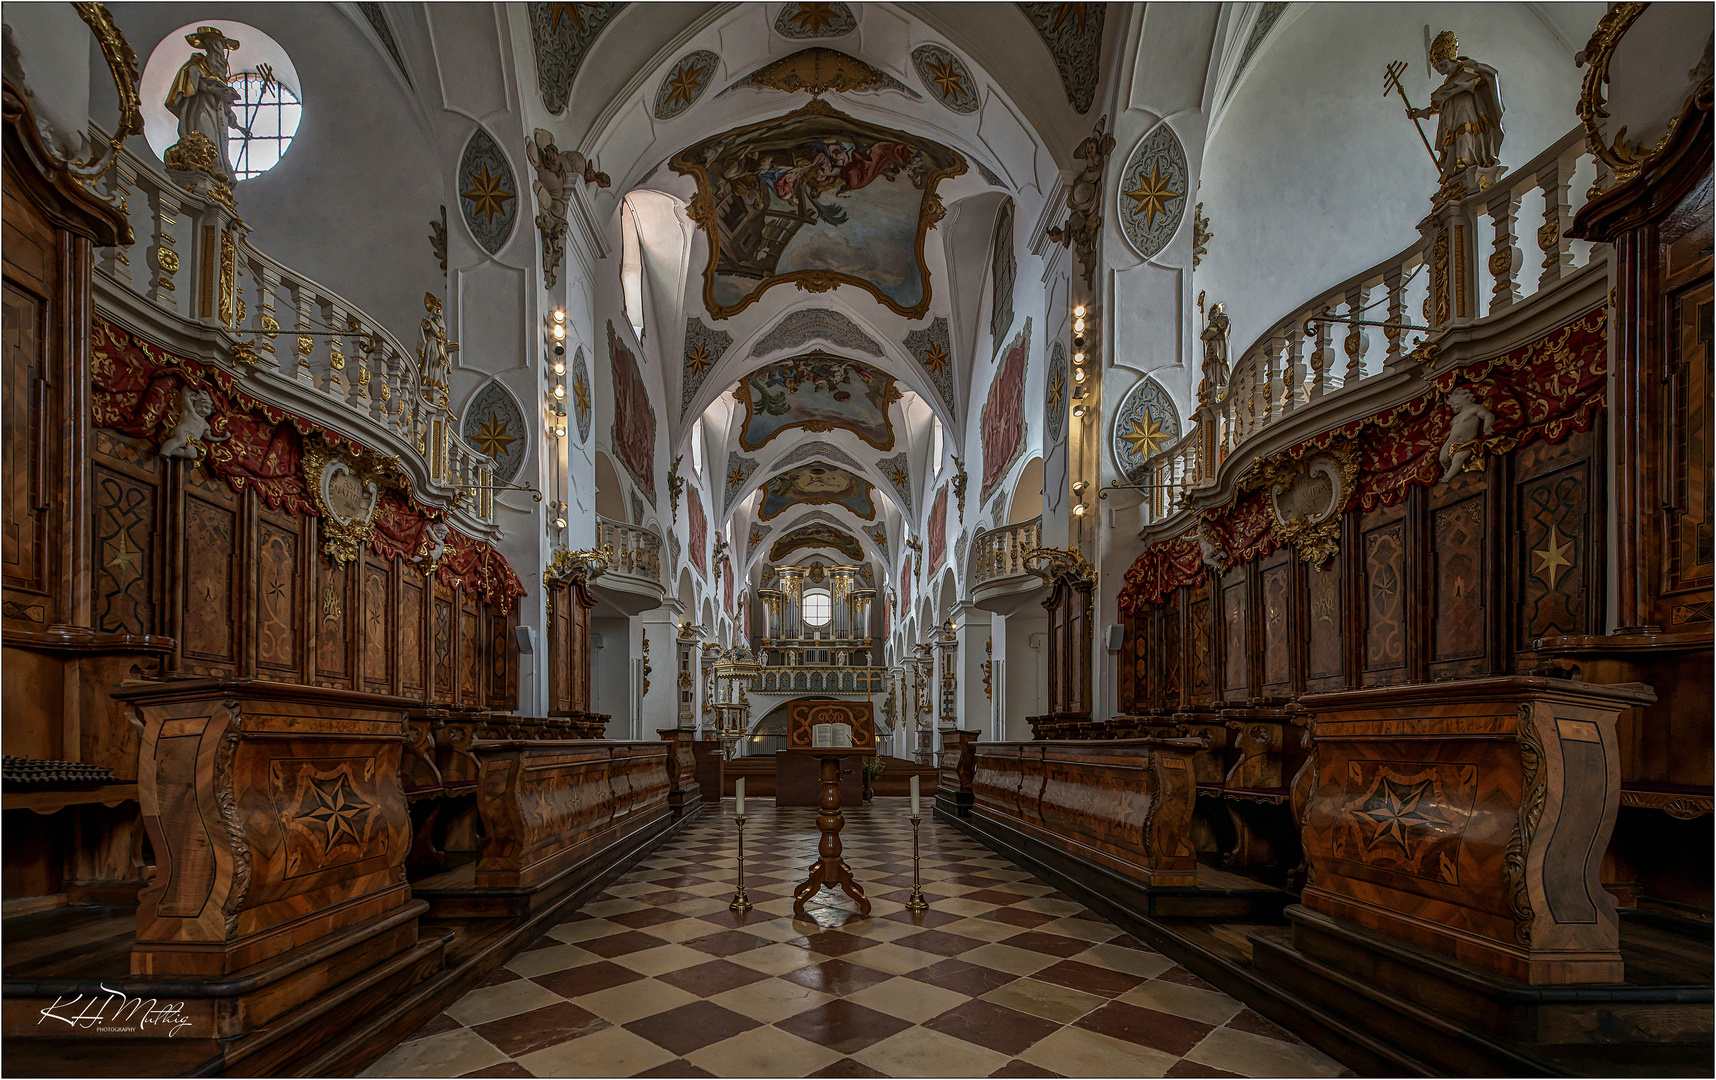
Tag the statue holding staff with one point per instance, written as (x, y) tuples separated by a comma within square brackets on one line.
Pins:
[(1467, 107), (202, 97)]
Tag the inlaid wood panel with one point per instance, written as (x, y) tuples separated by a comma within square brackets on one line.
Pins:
[(1200, 647), (1325, 641), (279, 598), (1236, 633), (377, 613), (1458, 573), (1277, 582), (208, 632), (1173, 654), (124, 515), (469, 670), (411, 639), (1383, 553), (331, 615), (441, 644), (1553, 552)]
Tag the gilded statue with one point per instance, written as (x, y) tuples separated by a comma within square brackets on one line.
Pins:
[(1468, 110), (202, 97), (1084, 200)]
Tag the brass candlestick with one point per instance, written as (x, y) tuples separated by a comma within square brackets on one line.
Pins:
[(916, 902), (740, 901)]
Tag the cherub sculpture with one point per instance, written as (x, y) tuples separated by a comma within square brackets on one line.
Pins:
[(1084, 200), (195, 408), (1469, 418), (555, 170)]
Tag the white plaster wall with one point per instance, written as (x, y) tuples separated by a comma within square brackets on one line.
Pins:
[(60, 58), (1310, 176)]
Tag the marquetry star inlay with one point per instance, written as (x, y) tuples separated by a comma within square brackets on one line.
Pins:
[(1553, 559), (1152, 194), (125, 561), (492, 437), (1395, 811), (684, 84), (1146, 436), (333, 806), (946, 78), (488, 195)]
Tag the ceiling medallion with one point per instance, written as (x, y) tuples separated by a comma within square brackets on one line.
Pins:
[(1152, 191)]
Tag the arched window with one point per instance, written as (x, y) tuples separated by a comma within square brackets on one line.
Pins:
[(818, 607), (269, 111), (631, 268), (697, 446), (936, 448)]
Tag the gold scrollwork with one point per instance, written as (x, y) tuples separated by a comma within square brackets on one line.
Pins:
[(122, 64), (1314, 533), (1623, 161)]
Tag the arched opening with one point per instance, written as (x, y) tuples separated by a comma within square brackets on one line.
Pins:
[(1028, 495), (610, 500)]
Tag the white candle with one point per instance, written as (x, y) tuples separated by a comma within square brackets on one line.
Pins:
[(739, 795), (914, 796)]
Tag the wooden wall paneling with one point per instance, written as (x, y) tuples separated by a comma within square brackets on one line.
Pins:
[(1557, 568), (210, 577), (280, 597), (413, 642), (1202, 646), (1460, 564), (1382, 554), (1275, 610), (127, 520), (559, 648), (503, 659), (333, 615), (1235, 634), (1417, 594), (1326, 623), (376, 632), (442, 643), (30, 398), (1172, 665), (470, 652)]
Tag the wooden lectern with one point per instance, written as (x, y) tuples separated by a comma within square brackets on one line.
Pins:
[(802, 720)]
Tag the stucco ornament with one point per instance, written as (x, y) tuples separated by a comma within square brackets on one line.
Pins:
[(1468, 111), (1055, 391), (1469, 424), (188, 436), (555, 170), (946, 78), (494, 423), (345, 498), (581, 403), (488, 192), (1145, 424), (1084, 198), (202, 98), (1152, 191), (1307, 500), (684, 83)]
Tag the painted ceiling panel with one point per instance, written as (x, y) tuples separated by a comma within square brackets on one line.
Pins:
[(817, 392), (817, 484)]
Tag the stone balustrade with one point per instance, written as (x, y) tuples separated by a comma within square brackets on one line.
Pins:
[(193, 279)]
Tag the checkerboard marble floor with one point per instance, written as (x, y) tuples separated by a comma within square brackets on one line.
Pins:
[(1003, 976)]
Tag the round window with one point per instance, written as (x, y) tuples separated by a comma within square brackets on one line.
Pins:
[(818, 608), (268, 102)]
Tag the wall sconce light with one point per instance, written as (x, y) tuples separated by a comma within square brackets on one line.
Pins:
[(560, 390), (1079, 487), (1078, 410), (1078, 374), (559, 367), (1078, 312), (1078, 511)]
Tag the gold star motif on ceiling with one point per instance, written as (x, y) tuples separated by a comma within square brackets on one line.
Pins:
[(488, 195), (936, 358), (1075, 10), (735, 478), (1553, 559), (1152, 194), (814, 17), (581, 396), (698, 359), (492, 438), (566, 9), (332, 806), (1146, 436), (125, 562), (947, 80), (1056, 389), (684, 84), (899, 476)]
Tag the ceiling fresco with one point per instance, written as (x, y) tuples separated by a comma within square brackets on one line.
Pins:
[(739, 470), (813, 485), (816, 535), (817, 392), (816, 198)]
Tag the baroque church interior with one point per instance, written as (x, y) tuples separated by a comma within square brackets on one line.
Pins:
[(857, 539)]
